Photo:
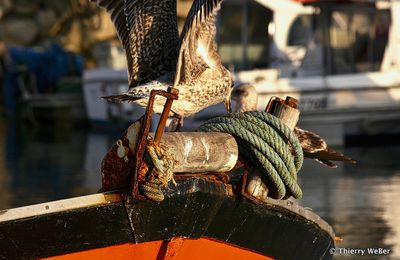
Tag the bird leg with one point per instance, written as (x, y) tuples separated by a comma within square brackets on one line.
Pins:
[(177, 123), (227, 103)]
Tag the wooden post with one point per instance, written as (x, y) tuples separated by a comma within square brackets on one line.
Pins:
[(287, 112)]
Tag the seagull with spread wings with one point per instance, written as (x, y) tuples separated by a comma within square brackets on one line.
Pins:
[(314, 147), (158, 59)]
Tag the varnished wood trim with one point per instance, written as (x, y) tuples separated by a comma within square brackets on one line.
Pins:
[(59, 206)]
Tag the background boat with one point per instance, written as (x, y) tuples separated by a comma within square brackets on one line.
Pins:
[(338, 58)]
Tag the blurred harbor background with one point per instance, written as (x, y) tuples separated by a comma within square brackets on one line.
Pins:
[(360, 201), (340, 59)]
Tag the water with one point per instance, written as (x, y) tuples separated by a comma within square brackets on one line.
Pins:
[(360, 201)]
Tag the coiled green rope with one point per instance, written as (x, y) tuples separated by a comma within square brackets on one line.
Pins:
[(264, 140)]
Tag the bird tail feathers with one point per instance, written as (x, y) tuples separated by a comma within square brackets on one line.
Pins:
[(327, 156), (121, 98)]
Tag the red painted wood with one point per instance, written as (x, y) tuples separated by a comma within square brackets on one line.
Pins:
[(148, 250), (177, 249)]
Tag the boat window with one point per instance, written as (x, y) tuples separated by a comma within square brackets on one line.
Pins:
[(300, 31), (380, 37), (341, 41), (242, 35), (306, 36), (230, 35), (358, 37), (340, 38), (257, 36)]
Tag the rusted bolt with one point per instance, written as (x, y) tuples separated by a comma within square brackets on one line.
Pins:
[(173, 91), (291, 101)]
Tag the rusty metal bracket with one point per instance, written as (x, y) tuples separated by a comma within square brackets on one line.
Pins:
[(140, 167)]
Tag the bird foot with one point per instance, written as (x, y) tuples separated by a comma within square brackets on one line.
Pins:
[(176, 124)]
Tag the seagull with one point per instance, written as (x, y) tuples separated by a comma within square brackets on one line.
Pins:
[(245, 98), (314, 147), (157, 58)]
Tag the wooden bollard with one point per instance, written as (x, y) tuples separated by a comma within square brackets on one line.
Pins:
[(197, 152), (287, 112)]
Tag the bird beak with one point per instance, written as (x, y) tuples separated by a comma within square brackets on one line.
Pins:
[(227, 102)]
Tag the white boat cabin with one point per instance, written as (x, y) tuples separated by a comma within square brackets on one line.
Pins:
[(341, 59)]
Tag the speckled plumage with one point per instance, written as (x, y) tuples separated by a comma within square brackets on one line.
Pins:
[(245, 98), (158, 59), (314, 147)]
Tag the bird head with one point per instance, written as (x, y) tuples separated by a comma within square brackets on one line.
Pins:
[(245, 97)]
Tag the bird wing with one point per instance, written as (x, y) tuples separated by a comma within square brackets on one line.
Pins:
[(148, 32), (328, 155), (315, 147), (310, 142), (198, 50)]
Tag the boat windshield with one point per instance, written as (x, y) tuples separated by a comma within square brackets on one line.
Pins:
[(337, 38), (242, 36)]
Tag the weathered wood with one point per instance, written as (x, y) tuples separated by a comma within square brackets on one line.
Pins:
[(74, 228), (256, 184), (59, 206), (196, 152), (194, 209), (287, 112)]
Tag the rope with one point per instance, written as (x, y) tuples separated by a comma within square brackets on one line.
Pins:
[(163, 164), (266, 142)]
